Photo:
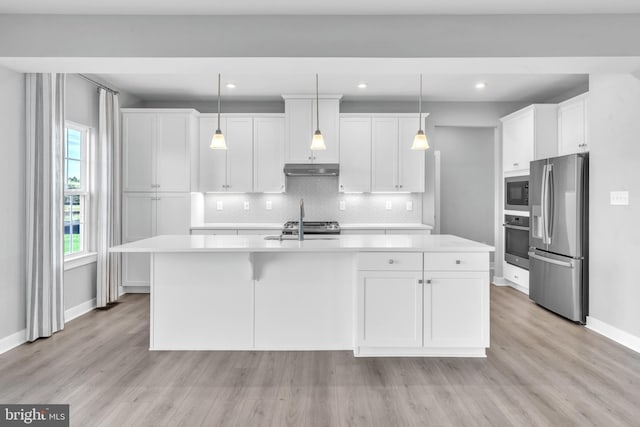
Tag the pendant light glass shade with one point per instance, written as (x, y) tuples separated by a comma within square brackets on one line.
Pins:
[(420, 140), (317, 142), (217, 141)]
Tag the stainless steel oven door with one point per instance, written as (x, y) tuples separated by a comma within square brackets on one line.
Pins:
[(516, 248)]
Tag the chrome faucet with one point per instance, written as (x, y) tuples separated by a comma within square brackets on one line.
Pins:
[(300, 223)]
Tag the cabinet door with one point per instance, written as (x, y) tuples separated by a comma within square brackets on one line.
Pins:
[(239, 138), (456, 309), (173, 214), (138, 138), (517, 141), (355, 155), (389, 309), (410, 162), (572, 135), (138, 223), (330, 128), (299, 130), (268, 155), (213, 163), (384, 154), (173, 152)]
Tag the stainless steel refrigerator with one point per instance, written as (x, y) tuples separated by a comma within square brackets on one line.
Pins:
[(558, 235)]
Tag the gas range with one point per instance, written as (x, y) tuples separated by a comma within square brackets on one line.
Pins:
[(312, 227)]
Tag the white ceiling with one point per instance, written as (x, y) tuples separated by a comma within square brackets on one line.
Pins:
[(329, 7), (439, 87)]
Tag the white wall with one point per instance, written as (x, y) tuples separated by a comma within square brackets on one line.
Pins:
[(614, 132), (12, 207)]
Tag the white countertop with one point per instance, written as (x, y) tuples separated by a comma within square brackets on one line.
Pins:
[(278, 226), (341, 243)]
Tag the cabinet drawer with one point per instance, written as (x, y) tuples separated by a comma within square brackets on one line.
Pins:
[(516, 275), (456, 261), (406, 261)]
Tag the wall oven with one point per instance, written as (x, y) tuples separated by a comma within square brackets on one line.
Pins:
[(516, 240), (516, 193)]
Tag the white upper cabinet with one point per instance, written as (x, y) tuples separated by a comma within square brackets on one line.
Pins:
[(212, 163), (156, 149), (355, 155), (395, 166), (384, 155), (411, 163), (529, 134), (268, 154), (301, 123), (239, 138), (173, 151), (572, 125)]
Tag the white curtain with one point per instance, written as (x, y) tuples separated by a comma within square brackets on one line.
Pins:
[(44, 188), (108, 225)]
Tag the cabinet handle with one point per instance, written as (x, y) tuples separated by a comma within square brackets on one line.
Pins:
[(420, 281), (391, 261), (309, 157), (400, 186), (428, 281), (516, 164), (458, 262), (515, 276)]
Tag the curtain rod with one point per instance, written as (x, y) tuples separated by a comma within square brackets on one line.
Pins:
[(100, 85)]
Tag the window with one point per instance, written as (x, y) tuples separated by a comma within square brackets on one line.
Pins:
[(76, 189)]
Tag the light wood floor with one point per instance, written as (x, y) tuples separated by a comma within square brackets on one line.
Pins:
[(540, 370)]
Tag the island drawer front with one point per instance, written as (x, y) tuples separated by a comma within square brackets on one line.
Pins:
[(455, 261), (405, 261)]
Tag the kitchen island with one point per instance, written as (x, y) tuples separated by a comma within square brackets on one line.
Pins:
[(377, 295)]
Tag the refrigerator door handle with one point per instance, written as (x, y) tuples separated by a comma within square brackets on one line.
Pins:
[(550, 261), (551, 194), (543, 204)]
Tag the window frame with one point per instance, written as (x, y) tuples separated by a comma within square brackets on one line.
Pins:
[(86, 254)]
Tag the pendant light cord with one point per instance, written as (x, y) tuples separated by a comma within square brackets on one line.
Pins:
[(420, 105), (317, 106), (218, 101)]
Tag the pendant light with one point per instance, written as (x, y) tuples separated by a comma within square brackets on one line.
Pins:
[(420, 140), (317, 142), (217, 141)]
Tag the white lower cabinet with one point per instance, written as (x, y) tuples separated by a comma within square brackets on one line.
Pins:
[(390, 309), (454, 305), (440, 309), (146, 215)]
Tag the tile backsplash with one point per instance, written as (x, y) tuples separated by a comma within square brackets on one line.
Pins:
[(321, 200)]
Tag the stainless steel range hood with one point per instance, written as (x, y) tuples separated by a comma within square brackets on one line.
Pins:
[(315, 169)]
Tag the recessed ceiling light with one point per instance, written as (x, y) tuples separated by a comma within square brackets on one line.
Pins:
[(481, 85), (231, 85), (362, 85)]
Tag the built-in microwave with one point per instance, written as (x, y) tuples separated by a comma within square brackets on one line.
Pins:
[(516, 193)]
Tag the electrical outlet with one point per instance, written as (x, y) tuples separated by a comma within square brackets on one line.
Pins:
[(389, 205), (409, 206), (268, 205), (247, 206), (620, 198), (343, 205), (219, 205)]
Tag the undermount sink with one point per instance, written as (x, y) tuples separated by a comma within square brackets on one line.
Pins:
[(294, 237)]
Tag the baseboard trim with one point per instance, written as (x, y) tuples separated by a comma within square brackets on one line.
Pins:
[(79, 310), (501, 281), (135, 290), (618, 335), (12, 341)]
